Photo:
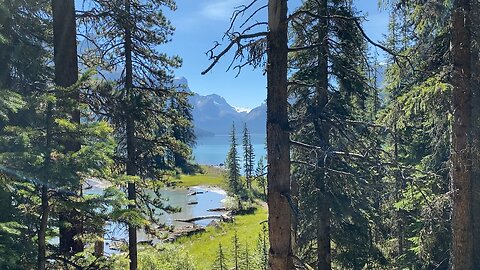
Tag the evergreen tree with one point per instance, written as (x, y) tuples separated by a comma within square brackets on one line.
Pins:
[(236, 251), (233, 166), (262, 249), (220, 262), (417, 117), (246, 258), (248, 157), (278, 145), (151, 118), (66, 75), (332, 137), (260, 173)]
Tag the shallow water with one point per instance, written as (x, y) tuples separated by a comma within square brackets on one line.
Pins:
[(178, 197)]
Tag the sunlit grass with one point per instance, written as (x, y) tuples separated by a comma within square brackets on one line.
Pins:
[(211, 176), (203, 247)]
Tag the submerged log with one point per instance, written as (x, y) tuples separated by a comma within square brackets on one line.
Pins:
[(195, 193)]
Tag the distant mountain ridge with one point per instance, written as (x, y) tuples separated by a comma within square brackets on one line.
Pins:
[(213, 115)]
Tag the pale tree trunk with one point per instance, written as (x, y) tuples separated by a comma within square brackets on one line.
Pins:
[(464, 152), (66, 75), (131, 148), (278, 147)]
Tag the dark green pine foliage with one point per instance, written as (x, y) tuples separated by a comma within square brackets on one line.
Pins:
[(22, 70), (233, 166), (417, 117), (335, 172), (248, 157), (152, 120), (33, 157)]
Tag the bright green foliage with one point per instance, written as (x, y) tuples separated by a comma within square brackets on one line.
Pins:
[(262, 248), (165, 257), (417, 115)]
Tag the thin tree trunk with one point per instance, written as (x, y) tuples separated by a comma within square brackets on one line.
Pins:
[(322, 129), (400, 185), (45, 208), (42, 246), (131, 148), (475, 133), (278, 147), (462, 250), (5, 50), (66, 75)]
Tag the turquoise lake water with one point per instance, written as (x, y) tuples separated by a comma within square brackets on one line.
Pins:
[(213, 150)]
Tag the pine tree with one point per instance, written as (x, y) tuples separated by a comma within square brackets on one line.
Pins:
[(152, 119), (220, 262), (278, 145), (248, 157), (260, 173), (246, 258), (262, 249), (66, 75), (236, 252), (233, 165), (329, 89)]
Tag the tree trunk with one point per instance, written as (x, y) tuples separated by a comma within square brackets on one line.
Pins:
[(6, 50), (66, 75), (322, 128), (45, 207), (278, 146), (42, 246), (464, 244), (131, 148)]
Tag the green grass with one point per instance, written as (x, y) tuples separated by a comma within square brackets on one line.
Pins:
[(203, 247), (211, 176)]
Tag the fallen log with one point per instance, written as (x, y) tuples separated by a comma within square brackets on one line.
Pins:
[(220, 209), (195, 193), (190, 220), (225, 218)]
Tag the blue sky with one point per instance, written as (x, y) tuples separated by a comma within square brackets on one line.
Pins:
[(201, 22)]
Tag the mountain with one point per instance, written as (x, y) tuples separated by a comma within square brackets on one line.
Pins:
[(213, 115)]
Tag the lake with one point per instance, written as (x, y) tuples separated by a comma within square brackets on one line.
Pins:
[(213, 150)]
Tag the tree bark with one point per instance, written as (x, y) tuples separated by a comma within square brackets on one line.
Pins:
[(278, 147), (322, 128), (464, 244), (42, 246), (131, 147), (45, 207), (66, 75), (6, 50)]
